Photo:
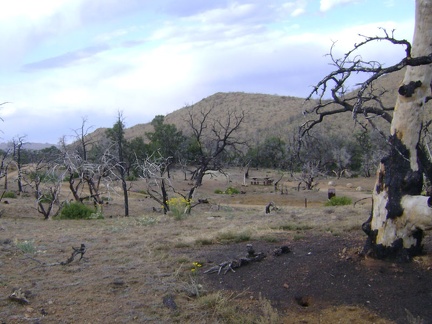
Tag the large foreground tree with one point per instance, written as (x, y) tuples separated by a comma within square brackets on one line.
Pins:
[(400, 214)]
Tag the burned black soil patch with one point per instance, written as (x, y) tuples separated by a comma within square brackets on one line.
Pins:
[(323, 271)]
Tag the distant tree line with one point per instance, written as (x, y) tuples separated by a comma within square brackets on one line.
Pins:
[(334, 155), (93, 166)]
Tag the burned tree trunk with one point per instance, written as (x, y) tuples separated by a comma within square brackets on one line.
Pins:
[(400, 215)]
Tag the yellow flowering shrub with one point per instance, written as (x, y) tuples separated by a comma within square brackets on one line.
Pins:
[(179, 206)]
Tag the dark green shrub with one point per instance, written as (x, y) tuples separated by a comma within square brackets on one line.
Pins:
[(339, 201), (228, 191), (9, 194), (232, 191), (76, 210)]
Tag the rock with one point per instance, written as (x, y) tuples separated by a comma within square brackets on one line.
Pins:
[(281, 250), (331, 183), (118, 282), (349, 185), (169, 302)]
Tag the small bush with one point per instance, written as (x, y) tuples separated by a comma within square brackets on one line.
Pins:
[(26, 247), (232, 191), (179, 207), (9, 194), (339, 201), (76, 210), (145, 221), (228, 191)]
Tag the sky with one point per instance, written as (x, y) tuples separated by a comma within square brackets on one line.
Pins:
[(63, 61)]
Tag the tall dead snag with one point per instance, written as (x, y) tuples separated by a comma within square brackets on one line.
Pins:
[(400, 214), (153, 170), (213, 138)]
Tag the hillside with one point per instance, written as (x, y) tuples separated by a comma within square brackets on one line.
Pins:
[(262, 113), (267, 115)]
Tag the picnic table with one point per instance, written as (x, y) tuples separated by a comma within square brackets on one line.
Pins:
[(266, 181)]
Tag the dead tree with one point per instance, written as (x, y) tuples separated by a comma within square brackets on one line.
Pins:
[(400, 214), (86, 176), (116, 135), (4, 166), (310, 171), (153, 170), (213, 137), (17, 156), (45, 178), (276, 184)]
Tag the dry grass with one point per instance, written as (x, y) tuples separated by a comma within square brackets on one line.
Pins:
[(133, 263)]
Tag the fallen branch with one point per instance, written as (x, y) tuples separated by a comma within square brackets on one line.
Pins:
[(361, 200), (227, 266), (81, 250), (19, 296)]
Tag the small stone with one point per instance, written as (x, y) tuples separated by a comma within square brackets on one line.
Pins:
[(169, 302), (118, 282)]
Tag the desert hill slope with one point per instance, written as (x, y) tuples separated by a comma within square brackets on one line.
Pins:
[(266, 115)]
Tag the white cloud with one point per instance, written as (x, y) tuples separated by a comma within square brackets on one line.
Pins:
[(151, 69), (294, 8), (33, 10), (326, 5), (28, 24), (232, 13)]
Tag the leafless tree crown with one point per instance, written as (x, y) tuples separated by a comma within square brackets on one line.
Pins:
[(367, 99)]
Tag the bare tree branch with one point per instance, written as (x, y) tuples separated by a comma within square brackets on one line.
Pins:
[(213, 137), (366, 100)]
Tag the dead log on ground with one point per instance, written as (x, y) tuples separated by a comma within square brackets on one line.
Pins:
[(251, 257), (81, 250)]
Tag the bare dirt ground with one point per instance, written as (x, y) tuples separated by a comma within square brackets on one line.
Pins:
[(150, 268)]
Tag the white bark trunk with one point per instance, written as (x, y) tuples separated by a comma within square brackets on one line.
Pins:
[(400, 214)]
